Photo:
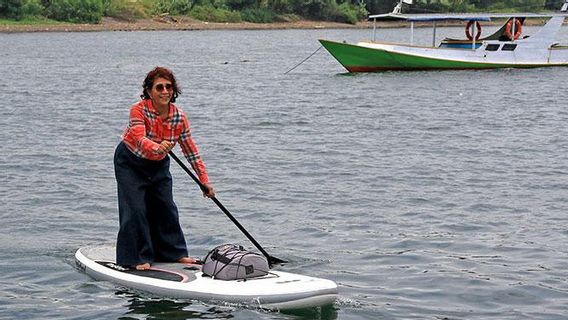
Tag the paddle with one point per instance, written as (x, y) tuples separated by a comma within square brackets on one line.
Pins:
[(271, 260)]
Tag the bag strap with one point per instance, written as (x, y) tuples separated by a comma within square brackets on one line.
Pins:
[(221, 258)]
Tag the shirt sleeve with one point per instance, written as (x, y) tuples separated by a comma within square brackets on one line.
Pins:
[(136, 132), (190, 151)]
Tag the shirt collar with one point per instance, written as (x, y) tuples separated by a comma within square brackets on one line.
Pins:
[(150, 106)]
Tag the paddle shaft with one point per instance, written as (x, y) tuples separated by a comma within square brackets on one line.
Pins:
[(271, 259)]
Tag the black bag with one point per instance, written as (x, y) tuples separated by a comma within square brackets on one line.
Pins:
[(233, 262)]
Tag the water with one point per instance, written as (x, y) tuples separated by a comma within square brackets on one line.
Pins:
[(424, 195)]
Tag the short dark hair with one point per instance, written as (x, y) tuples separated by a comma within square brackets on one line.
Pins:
[(160, 72)]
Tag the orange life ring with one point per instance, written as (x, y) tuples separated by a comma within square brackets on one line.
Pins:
[(518, 29), (468, 27)]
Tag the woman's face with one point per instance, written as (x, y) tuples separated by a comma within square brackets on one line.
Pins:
[(161, 92)]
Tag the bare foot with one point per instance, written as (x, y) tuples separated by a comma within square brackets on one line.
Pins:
[(187, 260), (144, 266)]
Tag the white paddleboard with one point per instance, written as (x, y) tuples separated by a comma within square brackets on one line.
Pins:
[(277, 290)]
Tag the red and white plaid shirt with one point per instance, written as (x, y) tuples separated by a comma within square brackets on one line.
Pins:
[(146, 130)]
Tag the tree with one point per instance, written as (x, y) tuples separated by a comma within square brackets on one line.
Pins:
[(77, 11), (553, 4), (380, 6), (10, 8)]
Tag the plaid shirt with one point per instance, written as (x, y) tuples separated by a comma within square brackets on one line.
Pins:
[(146, 130)]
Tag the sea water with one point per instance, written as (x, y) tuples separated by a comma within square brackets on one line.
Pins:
[(424, 195)]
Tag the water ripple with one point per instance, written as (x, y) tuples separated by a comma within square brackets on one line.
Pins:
[(438, 195)]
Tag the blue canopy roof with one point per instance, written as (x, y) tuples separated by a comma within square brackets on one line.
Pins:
[(460, 16), (444, 18)]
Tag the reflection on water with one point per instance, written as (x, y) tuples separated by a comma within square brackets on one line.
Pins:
[(141, 306), (319, 313)]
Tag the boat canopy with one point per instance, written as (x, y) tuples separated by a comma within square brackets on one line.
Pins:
[(435, 17), (460, 16), (428, 17), (396, 14), (444, 18), (424, 17)]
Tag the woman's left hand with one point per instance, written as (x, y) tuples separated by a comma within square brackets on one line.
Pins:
[(210, 193)]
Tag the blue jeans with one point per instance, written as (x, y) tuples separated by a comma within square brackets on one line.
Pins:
[(149, 222)]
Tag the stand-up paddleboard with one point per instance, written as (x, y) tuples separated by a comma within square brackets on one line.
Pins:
[(277, 290)]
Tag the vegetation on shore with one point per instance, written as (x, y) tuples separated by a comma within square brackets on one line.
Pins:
[(256, 11)]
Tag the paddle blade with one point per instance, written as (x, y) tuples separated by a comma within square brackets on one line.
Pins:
[(275, 261)]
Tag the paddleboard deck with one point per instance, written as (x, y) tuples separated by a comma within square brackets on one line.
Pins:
[(277, 291)]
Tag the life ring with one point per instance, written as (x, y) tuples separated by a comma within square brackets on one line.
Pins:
[(518, 29), (477, 27)]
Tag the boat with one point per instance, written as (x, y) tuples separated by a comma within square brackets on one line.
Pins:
[(277, 290), (508, 47)]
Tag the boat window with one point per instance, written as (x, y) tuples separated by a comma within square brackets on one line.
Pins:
[(509, 47), (492, 47)]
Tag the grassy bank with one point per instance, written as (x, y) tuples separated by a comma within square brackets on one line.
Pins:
[(29, 21), (164, 23)]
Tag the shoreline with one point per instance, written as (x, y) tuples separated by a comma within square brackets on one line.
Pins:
[(177, 24)]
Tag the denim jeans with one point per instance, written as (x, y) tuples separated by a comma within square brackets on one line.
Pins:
[(148, 217)]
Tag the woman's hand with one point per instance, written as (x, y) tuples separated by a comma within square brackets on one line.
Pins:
[(210, 192), (165, 147)]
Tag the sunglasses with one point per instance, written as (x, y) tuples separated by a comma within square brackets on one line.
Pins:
[(160, 87)]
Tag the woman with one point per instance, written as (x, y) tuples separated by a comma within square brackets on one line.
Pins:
[(149, 224)]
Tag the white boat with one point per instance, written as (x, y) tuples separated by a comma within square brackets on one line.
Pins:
[(276, 291), (506, 48)]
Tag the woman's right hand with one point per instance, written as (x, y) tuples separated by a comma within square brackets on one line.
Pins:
[(165, 147)]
